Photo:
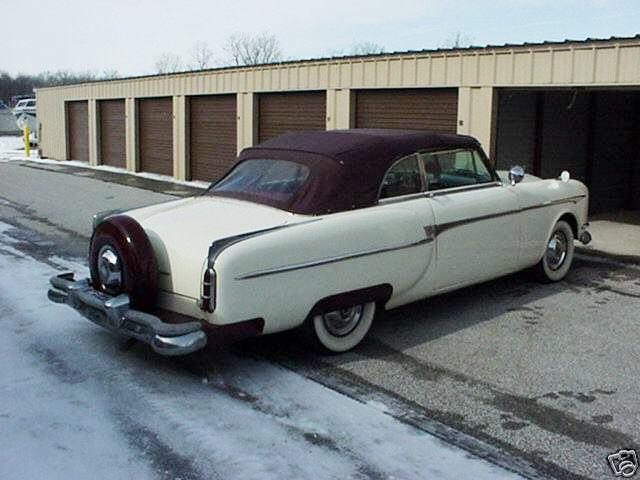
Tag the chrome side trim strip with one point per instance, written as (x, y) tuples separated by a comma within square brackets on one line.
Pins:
[(431, 233), (560, 201), (207, 300), (465, 188), (447, 226), (327, 260), (401, 198), (219, 246), (437, 193)]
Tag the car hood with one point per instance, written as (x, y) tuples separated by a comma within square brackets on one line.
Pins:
[(182, 231)]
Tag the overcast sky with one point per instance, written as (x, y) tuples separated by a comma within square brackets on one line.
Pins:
[(128, 35)]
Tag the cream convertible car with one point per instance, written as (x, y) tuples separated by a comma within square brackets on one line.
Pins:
[(318, 230)]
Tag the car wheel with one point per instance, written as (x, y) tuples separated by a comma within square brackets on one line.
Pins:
[(558, 254), (340, 330)]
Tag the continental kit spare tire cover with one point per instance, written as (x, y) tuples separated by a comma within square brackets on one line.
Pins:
[(124, 242)]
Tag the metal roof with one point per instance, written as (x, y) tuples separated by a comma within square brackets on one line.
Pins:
[(445, 51)]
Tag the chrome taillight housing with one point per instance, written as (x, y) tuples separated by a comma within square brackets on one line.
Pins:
[(208, 288), (207, 300)]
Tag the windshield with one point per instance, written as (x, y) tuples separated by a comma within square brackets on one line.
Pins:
[(276, 182)]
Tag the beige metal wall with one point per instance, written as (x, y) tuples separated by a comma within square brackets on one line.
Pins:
[(475, 72)]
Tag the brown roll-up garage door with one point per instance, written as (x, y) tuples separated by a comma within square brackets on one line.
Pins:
[(78, 131), (212, 136), (155, 135), (112, 133), (283, 112), (434, 110)]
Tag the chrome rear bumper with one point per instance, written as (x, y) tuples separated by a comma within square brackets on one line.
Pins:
[(115, 314)]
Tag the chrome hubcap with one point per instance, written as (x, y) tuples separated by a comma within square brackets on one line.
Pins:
[(109, 268), (342, 322), (557, 250)]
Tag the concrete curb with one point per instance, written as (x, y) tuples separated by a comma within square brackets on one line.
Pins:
[(127, 179)]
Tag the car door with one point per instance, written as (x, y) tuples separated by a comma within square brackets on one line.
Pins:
[(477, 218), (403, 189)]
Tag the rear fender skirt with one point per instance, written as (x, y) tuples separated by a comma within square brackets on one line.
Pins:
[(378, 293)]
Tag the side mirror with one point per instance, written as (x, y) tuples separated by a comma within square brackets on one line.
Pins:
[(516, 174)]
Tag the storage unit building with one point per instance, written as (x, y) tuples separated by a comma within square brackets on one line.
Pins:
[(548, 106)]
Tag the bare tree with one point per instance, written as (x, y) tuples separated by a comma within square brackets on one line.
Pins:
[(110, 74), (458, 40), (246, 50), (23, 84), (201, 56), (366, 48), (168, 63)]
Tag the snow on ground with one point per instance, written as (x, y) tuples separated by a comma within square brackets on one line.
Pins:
[(12, 150), (73, 404), (13, 146)]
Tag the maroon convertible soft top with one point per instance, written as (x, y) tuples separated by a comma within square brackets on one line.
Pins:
[(347, 166)]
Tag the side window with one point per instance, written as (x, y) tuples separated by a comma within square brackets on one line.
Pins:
[(454, 168), (403, 178)]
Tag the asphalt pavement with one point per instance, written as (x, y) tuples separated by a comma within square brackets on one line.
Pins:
[(510, 369)]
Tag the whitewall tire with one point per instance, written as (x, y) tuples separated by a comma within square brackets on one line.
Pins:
[(340, 330), (558, 254)]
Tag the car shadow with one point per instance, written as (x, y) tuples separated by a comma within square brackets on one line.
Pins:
[(396, 331)]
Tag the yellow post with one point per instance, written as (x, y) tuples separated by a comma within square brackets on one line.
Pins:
[(27, 143)]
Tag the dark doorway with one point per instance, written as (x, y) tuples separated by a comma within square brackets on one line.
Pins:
[(591, 133)]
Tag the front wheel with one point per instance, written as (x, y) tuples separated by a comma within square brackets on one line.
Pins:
[(340, 330), (558, 254)]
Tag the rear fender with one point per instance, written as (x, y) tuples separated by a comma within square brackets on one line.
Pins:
[(282, 275)]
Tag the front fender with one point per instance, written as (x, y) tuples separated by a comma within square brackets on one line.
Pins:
[(576, 207)]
